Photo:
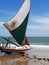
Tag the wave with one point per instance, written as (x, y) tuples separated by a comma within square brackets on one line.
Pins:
[(39, 46)]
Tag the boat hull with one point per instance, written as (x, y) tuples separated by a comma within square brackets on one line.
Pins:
[(13, 50)]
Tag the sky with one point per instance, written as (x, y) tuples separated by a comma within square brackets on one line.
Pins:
[(38, 23)]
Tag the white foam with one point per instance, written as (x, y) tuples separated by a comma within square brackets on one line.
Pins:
[(39, 46)]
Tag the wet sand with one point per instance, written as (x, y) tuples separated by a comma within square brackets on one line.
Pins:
[(38, 55)]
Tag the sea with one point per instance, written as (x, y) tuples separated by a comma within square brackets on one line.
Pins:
[(32, 40)]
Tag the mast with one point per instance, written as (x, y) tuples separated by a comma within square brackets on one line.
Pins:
[(17, 25)]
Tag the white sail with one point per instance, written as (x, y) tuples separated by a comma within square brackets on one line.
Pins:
[(20, 16)]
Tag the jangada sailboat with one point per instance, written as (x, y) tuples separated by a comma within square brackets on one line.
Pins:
[(17, 27)]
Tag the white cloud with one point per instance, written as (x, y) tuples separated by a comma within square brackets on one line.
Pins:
[(36, 29), (1, 23), (3, 30), (41, 27), (6, 15), (7, 12), (40, 19)]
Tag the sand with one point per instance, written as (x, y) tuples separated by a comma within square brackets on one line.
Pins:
[(38, 55)]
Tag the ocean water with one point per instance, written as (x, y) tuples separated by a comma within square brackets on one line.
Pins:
[(32, 40), (39, 40)]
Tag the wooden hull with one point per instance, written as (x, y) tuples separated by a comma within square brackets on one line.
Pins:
[(13, 50)]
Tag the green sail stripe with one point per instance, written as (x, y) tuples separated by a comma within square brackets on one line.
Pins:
[(19, 32)]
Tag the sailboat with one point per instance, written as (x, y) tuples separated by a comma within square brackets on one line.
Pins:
[(17, 27)]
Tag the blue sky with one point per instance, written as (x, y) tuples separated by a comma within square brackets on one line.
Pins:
[(38, 24)]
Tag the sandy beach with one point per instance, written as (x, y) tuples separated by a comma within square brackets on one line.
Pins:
[(38, 55)]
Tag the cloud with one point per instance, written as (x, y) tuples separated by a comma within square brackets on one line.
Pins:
[(1, 23), (37, 30), (40, 19), (7, 12), (6, 15), (3, 30), (41, 27)]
